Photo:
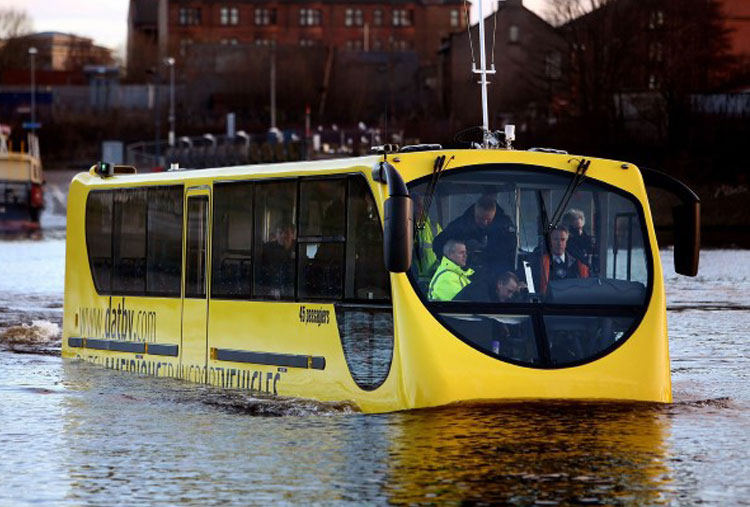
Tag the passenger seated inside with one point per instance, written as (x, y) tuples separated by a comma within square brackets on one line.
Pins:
[(489, 235), (560, 265), (580, 245), (450, 276), (507, 287), (501, 288), (277, 261)]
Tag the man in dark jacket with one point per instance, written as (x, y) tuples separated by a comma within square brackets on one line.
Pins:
[(489, 234), (561, 265)]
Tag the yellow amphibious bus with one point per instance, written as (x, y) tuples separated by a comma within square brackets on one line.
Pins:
[(410, 278)]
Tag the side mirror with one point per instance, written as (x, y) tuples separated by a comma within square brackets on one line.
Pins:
[(398, 219), (398, 233), (687, 237), (686, 220)]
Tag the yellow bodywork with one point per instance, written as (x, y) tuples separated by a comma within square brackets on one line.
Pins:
[(430, 366)]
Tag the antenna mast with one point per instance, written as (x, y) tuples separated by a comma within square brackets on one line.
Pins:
[(487, 137)]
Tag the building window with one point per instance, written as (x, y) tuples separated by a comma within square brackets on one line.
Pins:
[(185, 45), (229, 42), (656, 20), (401, 17), (265, 16), (553, 65), (514, 34), (377, 17), (354, 45), (455, 18), (229, 16), (309, 17), (190, 16), (377, 45), (400, 45), (353, 17), (656, 52), (308, 43), (269, 43), (653, 82)]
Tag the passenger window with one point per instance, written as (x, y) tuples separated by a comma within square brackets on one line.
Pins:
[(232, 243), (129, 263), (367, 277), (99, 238), (275, 241), (322, 211), (164, 265), (197, 236), (321, 239)]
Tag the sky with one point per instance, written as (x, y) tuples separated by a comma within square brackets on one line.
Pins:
[(105, 21)]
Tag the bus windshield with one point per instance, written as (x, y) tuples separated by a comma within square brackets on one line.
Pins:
[(492, 268)]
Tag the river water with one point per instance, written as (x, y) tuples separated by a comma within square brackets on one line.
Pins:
[(73, 434)]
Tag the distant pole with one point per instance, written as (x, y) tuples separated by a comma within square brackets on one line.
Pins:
[(32, 55), (483, 72), (157, 117), (170, 62), (273, 88)]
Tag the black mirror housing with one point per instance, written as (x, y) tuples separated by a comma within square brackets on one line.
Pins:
[(686, 219), (398, 233), (398, 219), (687, 237)]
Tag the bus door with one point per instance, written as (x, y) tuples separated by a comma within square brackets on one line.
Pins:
[(193, 352)]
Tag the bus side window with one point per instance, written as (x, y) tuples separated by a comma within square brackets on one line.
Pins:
[(129, 237), (321, 239), (275, 239), (232, 240), (99, 238), (164, 263), (366, 276)]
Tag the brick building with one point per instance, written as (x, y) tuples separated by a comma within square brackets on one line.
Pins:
[(357, 25), (66, 52), (737, 19)]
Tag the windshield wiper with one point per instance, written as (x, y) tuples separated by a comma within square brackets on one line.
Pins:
[(437, 170), (578, 178)]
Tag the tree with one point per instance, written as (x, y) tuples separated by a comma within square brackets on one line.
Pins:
[(602, 39), (14, 26), (640, 60), (14, 23)]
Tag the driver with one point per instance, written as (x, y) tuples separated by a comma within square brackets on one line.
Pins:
[(489, 235), (450, 276)]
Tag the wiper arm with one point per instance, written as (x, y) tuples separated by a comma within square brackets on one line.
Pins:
[(578, 178), (437, 171)]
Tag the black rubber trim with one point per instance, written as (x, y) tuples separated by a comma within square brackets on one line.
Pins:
[(154, 349), (161, 349), (270, 359), (115, 345)]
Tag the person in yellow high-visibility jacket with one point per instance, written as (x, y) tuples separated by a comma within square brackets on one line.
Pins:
[(450, 276), (426, 260)]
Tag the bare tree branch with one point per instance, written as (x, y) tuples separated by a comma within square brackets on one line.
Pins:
[(14, 23)]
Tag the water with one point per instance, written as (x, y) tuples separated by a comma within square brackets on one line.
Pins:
[(72, 433)]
